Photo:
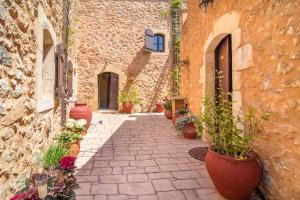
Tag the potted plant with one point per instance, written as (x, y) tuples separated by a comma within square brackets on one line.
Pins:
[(187, 125), (179, 113), (128, 98), (230, 162), (159, 107), (53, 154), (168, 108)]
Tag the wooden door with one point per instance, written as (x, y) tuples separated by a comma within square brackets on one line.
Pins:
[(103, 90), (113, 91), (223, 60)]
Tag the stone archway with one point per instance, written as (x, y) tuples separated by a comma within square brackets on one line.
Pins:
[(227, 24)]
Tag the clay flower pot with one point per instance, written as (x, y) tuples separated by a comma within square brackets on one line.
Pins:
[(190, 131), (159, 108), (81, 111), (234, 179), (75, 149), (168, 114), (127, 107)]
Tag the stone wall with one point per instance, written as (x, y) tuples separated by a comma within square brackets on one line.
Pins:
[(266, 71), (24, 133), (110, 38)]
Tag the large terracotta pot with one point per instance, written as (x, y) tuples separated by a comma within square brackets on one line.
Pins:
[(81, 111), (127, 107), (75, 149), (168, 114), (190, 131), (234, 179), (159, 108)]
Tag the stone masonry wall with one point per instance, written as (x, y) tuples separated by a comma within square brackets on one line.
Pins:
[(266, 72), (24, 134), (110, 38)]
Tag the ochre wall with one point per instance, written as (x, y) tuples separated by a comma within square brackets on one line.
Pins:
[(24, 134), (110, 38), (266, 62)]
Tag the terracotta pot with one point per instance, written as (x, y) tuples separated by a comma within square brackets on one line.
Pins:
[(234, 179), (177, 116), (190, 131), (75, 149), (127, 107), (81, 111), (168, 114), (159, 108)]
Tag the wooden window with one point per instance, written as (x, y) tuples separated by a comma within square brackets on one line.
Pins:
[(149, 39), (159, 43)]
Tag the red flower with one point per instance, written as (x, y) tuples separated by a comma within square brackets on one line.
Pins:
[(67, 162), (18, 197)]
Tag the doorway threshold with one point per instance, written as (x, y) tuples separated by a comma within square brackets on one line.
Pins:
[(107, 111)]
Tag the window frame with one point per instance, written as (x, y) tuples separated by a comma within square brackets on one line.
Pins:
[(156, 47)]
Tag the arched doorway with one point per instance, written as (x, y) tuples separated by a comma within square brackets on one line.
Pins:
[(108, 91)]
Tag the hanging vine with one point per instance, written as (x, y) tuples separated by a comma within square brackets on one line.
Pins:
[(175, 8)]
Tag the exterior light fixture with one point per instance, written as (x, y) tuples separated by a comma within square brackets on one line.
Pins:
[(205, 3)]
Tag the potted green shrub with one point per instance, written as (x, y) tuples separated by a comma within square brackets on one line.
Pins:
[(128, 98), (53, 154), (230, 162), (179, 113), (186, 124), (168, 108)]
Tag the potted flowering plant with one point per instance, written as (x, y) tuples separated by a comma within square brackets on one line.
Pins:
[(72, 135), (128, 98), (65, 181), (230, 159), (179, 113), (168, 108), (186, 124)]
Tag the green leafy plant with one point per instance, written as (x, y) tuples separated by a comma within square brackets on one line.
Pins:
[(176, 3), (182, 111), (183, 121), (225, 128), (176, 75), (129, 96), (66, 138), (53, 155), (168, 104)]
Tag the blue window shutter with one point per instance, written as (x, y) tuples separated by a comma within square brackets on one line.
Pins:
[(149, 43)]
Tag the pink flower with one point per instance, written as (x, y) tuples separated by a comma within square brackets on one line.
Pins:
[(67, 162)]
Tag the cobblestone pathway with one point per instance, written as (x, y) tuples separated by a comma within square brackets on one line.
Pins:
[(142, 157)]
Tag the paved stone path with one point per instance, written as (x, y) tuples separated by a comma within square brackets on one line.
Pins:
[(140, 157)]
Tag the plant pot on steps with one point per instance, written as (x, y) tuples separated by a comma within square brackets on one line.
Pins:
[(159, 108), (75, 149), (127, 108), (168, 114), (234, 179), (190, 131), (81, 111)]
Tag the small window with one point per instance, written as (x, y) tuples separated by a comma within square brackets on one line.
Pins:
[(159, 43)]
